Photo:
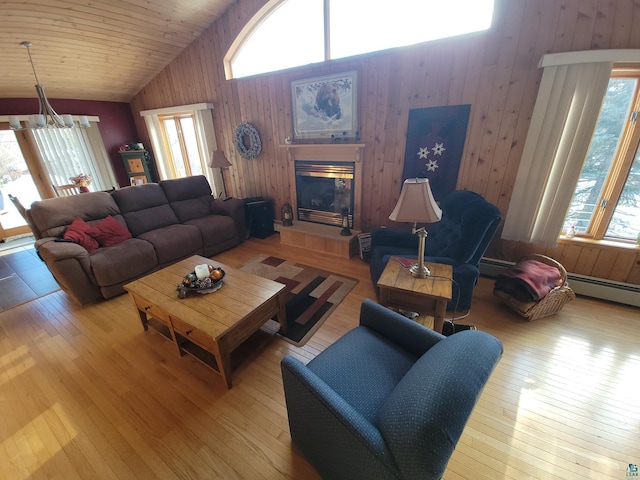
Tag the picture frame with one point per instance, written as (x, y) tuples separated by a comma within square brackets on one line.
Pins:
[(325, 107)]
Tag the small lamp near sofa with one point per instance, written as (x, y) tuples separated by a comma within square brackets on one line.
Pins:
[(416, 204), (219, 160)]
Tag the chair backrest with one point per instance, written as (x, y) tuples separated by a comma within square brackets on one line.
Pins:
[(468, 225), (18, 206), (66, 190)]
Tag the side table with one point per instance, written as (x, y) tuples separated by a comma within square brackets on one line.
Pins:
[(427, 296)]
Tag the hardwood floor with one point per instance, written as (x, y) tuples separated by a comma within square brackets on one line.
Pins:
[(85, 393)]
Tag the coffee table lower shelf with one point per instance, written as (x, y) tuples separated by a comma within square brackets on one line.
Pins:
[(199, 353), (185, 345)]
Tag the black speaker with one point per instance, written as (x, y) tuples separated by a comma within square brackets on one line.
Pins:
[(260, 215)]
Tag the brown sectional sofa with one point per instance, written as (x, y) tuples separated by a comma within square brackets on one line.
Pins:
[(168, 221)]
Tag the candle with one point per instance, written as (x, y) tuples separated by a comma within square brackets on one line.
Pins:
[(202, 271)]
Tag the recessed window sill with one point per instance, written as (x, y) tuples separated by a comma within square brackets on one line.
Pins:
[(600, 243)]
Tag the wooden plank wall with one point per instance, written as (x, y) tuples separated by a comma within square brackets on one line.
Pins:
[(494, 71)]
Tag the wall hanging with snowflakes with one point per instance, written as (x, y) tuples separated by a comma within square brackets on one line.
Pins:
[(435, 141)]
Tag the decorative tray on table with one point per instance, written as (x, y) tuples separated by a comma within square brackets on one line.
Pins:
[(204, 279)]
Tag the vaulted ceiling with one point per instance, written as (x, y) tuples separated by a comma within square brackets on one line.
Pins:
[(95, 50)]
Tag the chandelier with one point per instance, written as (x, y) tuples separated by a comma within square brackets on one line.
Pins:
[(47, 116)]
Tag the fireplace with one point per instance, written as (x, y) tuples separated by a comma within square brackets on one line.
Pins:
[(325, 178), (324, 191)]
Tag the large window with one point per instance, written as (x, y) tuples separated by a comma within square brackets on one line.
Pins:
[(579, 162), (290, 33), (183, 138), (182, 145), (34, 162), (606, 202)]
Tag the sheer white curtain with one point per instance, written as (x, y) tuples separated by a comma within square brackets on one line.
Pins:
[(563, 122), (69, 152)]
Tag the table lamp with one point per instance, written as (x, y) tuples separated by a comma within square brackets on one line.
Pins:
[(416, 204), (219, 160)]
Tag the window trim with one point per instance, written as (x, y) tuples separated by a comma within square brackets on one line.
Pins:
[(203, 113), (619, 171), (177, 117)]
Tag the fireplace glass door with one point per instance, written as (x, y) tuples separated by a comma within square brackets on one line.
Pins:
[(324, 191)]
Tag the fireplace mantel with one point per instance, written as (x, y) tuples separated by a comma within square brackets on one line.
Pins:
[(329, 152)]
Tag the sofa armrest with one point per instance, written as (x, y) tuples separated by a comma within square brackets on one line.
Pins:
[(407, 334), (234, 208), (51, 249), (322, 424), (70, 265)]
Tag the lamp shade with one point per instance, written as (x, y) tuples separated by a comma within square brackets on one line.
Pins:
[(416, 203), (219, 160)]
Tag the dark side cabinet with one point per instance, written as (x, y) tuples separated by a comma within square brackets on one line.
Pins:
[(136, 162), (260, 215)]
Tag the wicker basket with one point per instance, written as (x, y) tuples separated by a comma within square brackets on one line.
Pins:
[(550, 304)]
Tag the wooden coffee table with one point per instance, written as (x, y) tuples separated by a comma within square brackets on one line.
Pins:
[(427, 296), (208, 326)]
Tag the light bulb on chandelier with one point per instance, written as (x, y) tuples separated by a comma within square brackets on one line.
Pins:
[(46, 115)]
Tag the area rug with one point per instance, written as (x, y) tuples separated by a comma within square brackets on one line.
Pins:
[(312, 294)]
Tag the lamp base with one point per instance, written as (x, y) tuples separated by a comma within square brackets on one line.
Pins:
[(419, 271)]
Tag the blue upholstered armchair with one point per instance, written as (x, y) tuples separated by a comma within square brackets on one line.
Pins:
[(388, 400), (460, 239)]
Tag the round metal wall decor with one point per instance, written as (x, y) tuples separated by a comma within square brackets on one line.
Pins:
[(255, 145)]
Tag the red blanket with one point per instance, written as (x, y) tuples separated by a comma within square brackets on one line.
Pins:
[(529, 280)]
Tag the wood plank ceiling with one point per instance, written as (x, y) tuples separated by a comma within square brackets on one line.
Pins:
[(96, 50)]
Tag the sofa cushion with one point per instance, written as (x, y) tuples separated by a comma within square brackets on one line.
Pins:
[(179, 189), (174, 242), (190, 197), (215, 229), (150, 219), (192, 208), (144, 208), (109, 232), (123, 262), (53, 215), (78, 232)]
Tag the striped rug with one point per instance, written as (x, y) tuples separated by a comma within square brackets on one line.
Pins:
[(312, 294)]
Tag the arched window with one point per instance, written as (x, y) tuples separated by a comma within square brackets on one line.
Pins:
[(289, 33)]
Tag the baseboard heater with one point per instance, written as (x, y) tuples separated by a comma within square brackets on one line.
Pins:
[(609, 290)]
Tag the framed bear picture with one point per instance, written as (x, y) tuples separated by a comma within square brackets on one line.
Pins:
[(325, 107)]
